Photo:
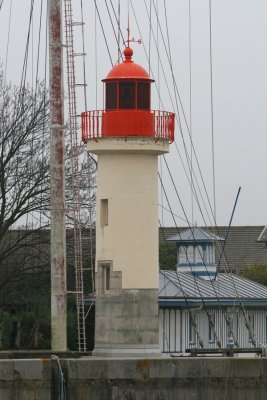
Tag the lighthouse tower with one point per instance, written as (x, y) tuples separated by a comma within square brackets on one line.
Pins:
[(127, 136)]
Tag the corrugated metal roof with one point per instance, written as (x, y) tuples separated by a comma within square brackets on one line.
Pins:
[(195, 234), (228, 286)]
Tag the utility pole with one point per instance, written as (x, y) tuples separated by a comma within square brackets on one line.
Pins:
[(57, 181)]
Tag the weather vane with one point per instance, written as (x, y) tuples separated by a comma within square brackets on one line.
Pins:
[(128, 41)]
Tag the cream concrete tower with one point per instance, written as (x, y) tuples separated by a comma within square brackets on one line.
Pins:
[(127, 137)]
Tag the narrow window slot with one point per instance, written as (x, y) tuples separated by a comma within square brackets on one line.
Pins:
[(103, 212), (106, 279)]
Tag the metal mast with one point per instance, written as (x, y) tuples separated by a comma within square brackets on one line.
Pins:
[(57, 181), (76, 206)]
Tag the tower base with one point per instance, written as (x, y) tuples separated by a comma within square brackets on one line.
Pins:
[(127, 324)]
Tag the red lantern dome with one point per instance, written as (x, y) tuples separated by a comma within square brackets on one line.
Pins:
[(128, 69)]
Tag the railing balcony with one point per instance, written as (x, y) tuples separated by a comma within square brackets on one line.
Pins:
[(128, 123)]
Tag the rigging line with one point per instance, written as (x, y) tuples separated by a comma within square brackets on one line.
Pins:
[(194, 277), (113, 28), (103, 31), (118, 23), (171, 212), (183, 111), (96, 62), (91, 254), (211, 109), (32, 34), (161, 192), (38, 48), (25, 62), (153, 75), (158, 57), (189, 159), (250, 329), (193, 189), (203, 261), (229, 226), (83, 57), (46, 48), (182, 289), (192, 147), (89, 156), (248, 324), (183, 208), (147, 58), (177, 108), (186, 301), (8, 34), (190, 103), (149, 39), (166, 84), (184, 212), (118, 20), (168, 89)]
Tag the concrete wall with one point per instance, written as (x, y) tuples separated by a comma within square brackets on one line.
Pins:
[(136, 379), (25, 379)]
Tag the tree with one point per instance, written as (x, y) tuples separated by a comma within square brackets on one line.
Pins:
[(257, 273), (24, 178), (167, 256), (24, 214), (24, 192)]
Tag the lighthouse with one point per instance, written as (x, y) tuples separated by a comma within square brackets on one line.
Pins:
[(127, 137)]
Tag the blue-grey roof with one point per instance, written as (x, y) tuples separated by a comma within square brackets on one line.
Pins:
[(178, 286), (195, 234)]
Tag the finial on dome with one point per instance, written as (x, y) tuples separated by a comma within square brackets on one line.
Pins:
[(128, 52)]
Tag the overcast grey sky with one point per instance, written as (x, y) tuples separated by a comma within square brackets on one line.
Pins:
[(239, 55)]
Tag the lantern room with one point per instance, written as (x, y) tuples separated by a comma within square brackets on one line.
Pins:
[(127, 100), (127, 106), (127, 86)]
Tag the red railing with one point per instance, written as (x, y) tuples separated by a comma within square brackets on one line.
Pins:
[(99, 123)]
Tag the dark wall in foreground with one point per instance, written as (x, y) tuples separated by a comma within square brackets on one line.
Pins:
[(136, 379)]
